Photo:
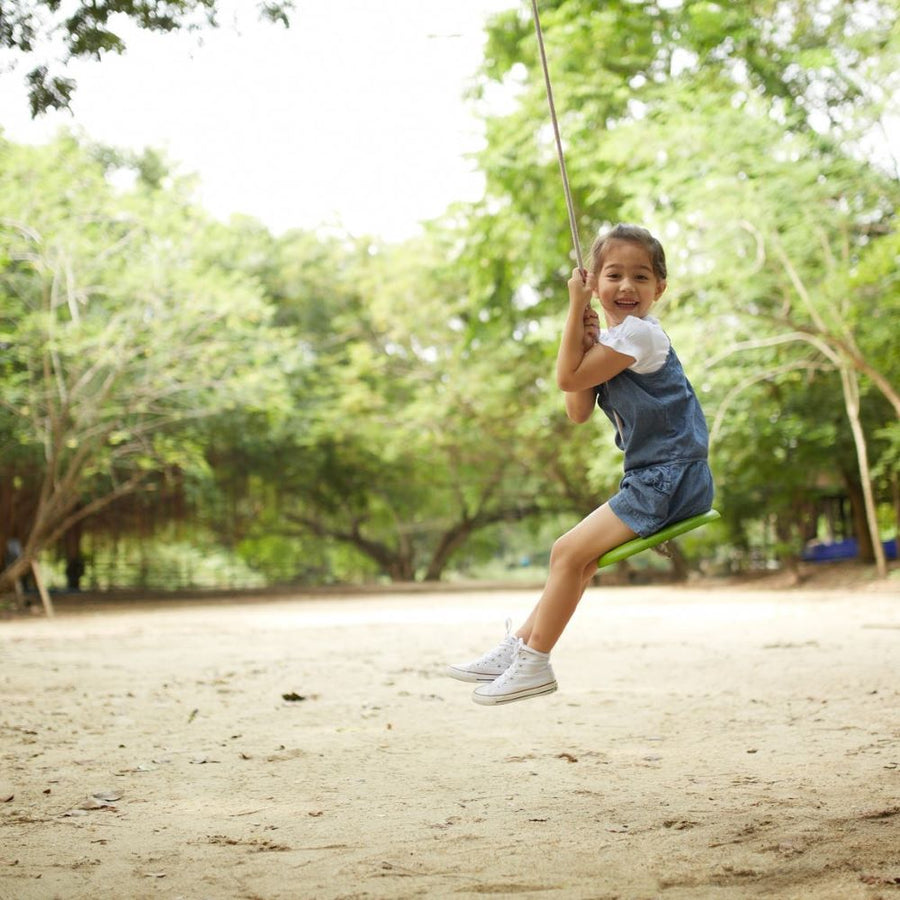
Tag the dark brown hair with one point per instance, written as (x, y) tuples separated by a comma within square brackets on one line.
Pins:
[(636, 235)]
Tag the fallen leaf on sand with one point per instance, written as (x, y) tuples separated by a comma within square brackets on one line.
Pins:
[(137, 769), (100, 800), (93, 803), (879, 879)]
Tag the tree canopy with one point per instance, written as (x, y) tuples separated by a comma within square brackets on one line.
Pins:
[(336, 408), (48, 34)]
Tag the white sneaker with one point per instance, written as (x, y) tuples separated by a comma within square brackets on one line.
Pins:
[(529, 675), (492, 664)]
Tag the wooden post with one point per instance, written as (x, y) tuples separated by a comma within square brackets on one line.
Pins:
[(42, 589)]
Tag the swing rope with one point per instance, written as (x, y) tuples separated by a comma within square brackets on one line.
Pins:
[(666, 534), (573, 226)]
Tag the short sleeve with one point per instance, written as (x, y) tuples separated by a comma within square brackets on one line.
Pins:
[(643, 339)]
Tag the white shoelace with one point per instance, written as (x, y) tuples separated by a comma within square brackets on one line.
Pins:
[(513, 668), (498, 653)]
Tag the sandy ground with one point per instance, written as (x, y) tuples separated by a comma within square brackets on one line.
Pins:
[(705, 742)]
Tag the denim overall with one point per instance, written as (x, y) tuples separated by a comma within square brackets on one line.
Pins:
[(662, 429)]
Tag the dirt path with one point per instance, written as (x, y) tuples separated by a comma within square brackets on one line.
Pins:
[(703, 743)]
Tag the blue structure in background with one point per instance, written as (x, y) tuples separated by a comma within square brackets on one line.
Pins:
[(846, 549)]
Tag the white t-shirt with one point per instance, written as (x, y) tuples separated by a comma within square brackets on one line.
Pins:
[(643, 339)]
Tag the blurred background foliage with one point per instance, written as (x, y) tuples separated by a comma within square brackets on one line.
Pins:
[(187, 403)]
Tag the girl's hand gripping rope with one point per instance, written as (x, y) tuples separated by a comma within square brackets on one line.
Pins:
[(581, 293), (591, 321)]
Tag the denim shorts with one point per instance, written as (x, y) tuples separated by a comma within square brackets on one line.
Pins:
[(656, 496)]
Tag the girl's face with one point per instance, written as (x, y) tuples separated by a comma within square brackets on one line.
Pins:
[(626, 285)]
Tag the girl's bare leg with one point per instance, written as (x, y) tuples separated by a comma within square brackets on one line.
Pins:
[(525, 631), (573, 562)]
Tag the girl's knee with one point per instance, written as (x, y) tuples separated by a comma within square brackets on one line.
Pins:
[(567, 552), (558, 551)]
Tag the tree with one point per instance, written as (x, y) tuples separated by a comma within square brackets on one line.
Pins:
[(118, 341), (709, 123), (801, 222), (407, 441), (38, 29)]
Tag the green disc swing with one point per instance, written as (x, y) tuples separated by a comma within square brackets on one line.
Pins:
[(660, 539)]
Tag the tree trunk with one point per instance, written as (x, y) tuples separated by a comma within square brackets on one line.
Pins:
[(680, 569), (859, 527), (850, 385), (456, 536), (450, 542), (401, 568), (788, 559), (397, 563), (13, 573), (895, 487)]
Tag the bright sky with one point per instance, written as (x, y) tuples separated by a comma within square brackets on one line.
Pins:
[(353, 117)]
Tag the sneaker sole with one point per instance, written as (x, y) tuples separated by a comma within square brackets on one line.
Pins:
[(471, 677), (524, 694)]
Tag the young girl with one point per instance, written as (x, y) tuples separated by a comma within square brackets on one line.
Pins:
[(631, 372)]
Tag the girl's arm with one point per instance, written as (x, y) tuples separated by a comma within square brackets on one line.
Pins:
[(580, 405), (581, 365)]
